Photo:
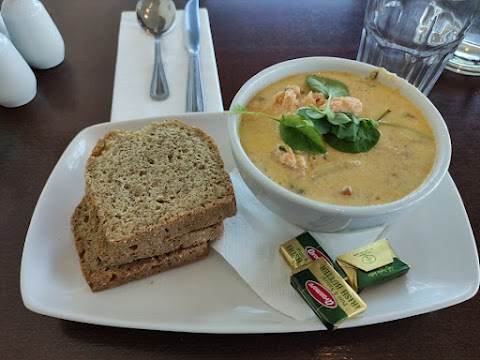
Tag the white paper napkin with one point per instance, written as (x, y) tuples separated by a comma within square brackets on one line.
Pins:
[(251, 245), (133, 72)]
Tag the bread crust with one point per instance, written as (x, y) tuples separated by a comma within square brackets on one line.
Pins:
[(113, 254), (100, 276)]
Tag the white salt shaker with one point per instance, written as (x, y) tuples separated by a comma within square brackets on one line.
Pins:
[(18, 84), (33, 33), (3, 28)]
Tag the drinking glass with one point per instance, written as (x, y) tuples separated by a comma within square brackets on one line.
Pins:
[(414, 38), (466, 59)]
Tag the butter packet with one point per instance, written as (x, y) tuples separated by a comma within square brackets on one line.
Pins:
[(371, 265), (326, 292), (304, 249)]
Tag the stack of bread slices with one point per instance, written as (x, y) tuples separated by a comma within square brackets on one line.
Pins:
[(153, 200)]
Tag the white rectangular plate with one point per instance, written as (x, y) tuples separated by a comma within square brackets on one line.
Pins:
[(208, 296)]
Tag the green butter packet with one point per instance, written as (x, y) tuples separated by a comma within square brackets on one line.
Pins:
[(304, 249), (371, 265), (326, 292)]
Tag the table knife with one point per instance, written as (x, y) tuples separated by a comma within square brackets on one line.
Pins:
[(192, 43)]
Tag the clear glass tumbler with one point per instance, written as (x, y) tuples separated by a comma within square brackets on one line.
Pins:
[(414, 38), (466, 59)]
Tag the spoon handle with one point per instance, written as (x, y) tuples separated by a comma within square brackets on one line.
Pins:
[(194, 86), (159, 88)]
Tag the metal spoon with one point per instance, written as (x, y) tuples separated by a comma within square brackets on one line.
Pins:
[(156, 17)]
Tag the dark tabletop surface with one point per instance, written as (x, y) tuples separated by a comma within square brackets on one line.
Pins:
[(248, 36)]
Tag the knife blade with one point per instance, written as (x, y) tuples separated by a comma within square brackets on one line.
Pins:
[(192, 43)]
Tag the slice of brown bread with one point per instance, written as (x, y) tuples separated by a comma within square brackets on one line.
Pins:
[(112, 255), (149, 186), (101, 277)]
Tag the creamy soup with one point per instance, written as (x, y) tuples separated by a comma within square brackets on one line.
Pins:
[(399, 163)]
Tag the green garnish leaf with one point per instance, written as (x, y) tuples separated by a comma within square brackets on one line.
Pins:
[(296, 131), (308, 113), (348, 132), (328, 87), (317, 117), (341, 119), (366, 138), (322, 126), (292, 126), (298, 141)]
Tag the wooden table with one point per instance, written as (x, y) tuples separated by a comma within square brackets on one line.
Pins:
[(248, 35)]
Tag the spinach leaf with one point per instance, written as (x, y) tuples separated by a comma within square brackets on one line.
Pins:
[(367, 137), (297, 124), (298, 141), (301, 133), (328, 87), (317, 117), (348, 132), (308, 113), (341, 119), (323, 126)]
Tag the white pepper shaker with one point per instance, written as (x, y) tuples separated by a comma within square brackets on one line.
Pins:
[(33, 33), (18, 84)]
